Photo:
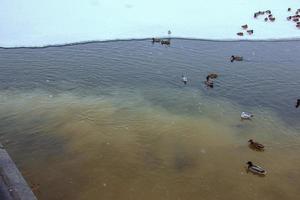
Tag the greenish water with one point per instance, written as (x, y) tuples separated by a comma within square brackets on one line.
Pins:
[(114, 121)]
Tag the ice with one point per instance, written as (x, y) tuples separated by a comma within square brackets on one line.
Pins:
[(39, 23)]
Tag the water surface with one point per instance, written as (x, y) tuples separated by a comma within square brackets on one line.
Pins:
[(113, 120)]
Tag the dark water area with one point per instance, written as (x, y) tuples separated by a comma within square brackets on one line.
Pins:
[(269, 76), (113, 120)]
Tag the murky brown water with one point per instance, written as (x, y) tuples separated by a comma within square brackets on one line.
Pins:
[(147, 142)]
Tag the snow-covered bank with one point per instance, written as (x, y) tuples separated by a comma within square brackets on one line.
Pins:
[(40, 23)]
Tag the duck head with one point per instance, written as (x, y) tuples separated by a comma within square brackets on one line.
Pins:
[(249, 163), (251, 141)]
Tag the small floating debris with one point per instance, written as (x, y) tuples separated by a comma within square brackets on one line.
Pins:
[(246, 115), (256, 145), (255, 169)]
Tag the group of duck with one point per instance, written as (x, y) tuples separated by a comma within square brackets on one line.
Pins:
[(245, 27), (244, 116), (270, 17), (161, 41), (295, 18)]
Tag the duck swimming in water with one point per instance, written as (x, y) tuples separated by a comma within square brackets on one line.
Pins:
[(256, 145), (209, 83), (298, 103), (184, 79), (255, 169), (246, 115), (240, 34), (212, 76), (236, 58), (154, 40), (166, 42)]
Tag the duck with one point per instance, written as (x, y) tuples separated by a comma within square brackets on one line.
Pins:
[(237, 58), (245, 115), (256, 145), (209, 83), (240, 34), (268, 11), (270, 16), (250, 32), (289, 18), (184, 79), (272, 19), (166, 42), (155, 40), (298, 103), (289, 9), (296, 19), (266, 19), (298, 26), (255, 169), (212, 76), (245, 26)]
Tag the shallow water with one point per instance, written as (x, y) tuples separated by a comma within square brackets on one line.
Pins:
[(113, 120)]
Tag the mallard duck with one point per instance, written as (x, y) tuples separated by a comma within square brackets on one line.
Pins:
[(246, 115), (184, 79), (250, 32), (298, 100), (212, 76), (289, 18), (155, 40), (166, 42), (240, 34), (245, 26), (272, 19), (256, 169), (268, 11), (256, 145), (209, 83), (236, 58), (296, 19)]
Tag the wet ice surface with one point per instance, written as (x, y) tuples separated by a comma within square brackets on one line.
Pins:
[(39, 23)]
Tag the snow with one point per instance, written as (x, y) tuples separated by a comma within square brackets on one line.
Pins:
[(49, 22)]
